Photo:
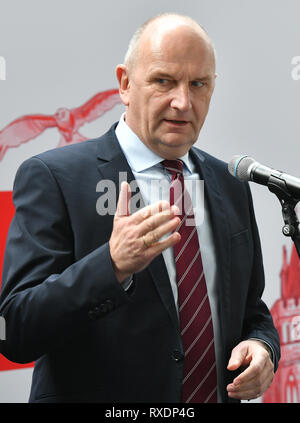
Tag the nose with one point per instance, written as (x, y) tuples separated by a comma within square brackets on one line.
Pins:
[(181, 98)]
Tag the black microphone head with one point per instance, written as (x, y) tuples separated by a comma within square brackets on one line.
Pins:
[(239, 165)]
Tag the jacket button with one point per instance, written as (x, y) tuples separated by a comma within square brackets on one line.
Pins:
[(177, 355), (106, 307), (94, 313)]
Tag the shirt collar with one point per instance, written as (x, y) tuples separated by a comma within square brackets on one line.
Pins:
[(138, 155)]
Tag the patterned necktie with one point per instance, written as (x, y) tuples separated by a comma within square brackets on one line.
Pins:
[(200, 380)]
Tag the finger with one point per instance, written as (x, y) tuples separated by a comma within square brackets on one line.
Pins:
[(237, 358), (246, 387), (124, 198), (246, 394), (155, 235), (162, 245), (257, 368), (252, 382), (152, 223), (253, 389), (248, 374), (151, 210)]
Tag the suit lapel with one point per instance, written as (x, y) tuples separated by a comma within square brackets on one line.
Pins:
[(114, 167), (220, 227), (158, 271)]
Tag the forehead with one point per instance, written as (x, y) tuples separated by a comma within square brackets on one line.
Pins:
[(177, 48)]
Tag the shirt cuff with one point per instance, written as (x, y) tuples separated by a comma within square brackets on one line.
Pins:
[(127, 283)]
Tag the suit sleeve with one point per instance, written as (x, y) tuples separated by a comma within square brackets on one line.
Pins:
[(47, 297), (258, 322)]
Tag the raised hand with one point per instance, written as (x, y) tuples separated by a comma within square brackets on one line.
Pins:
[(136, 238)]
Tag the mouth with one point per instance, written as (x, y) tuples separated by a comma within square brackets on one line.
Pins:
[(177, 123)]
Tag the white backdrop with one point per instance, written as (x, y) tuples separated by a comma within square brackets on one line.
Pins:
[(60, 53)]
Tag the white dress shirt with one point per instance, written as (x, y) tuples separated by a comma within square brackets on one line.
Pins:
[(149, 173)]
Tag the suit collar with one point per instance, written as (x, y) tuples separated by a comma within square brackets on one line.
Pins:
[(108, 146), (113, 165)]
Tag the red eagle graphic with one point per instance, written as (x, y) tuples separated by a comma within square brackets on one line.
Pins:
[(67, 121)]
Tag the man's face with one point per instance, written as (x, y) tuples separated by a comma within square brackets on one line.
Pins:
[(168, 91)]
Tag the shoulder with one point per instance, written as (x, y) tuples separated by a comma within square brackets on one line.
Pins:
[(70, 154), (79, 156)]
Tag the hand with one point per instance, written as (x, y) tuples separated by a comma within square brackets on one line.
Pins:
[(259, 372), (135, 239)]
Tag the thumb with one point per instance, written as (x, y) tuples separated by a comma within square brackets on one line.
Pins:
[(238, 356), (123, 202)]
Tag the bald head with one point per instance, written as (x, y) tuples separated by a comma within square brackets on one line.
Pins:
[(167, 82), (154, 30)]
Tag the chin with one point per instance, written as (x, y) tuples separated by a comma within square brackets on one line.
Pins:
[(177, 144), (171, 152)]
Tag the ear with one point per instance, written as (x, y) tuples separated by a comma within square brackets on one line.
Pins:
[(124, 85)]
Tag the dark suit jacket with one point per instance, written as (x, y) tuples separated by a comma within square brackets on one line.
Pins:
[(64, 308)]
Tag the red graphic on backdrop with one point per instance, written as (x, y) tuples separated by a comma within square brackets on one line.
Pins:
[(25, 128), (285, 387), (67, 121), (7, 213)]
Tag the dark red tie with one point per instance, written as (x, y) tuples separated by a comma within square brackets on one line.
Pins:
[(200, 379)]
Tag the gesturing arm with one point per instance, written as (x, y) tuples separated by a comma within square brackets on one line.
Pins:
[(48, 297)]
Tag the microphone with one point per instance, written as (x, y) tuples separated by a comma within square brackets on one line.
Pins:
[(245, 168)]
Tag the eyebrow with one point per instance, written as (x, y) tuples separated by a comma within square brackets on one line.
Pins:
[(163, 74), (159, 74)]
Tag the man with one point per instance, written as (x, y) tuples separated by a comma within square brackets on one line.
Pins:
[(94, 299)]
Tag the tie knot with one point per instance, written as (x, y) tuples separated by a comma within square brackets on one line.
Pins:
[(173, 166)]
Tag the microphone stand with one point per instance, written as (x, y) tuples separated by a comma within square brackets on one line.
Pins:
[(288, 203)]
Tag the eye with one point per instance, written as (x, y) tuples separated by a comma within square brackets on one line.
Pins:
[(197, 83), (162, 81)]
